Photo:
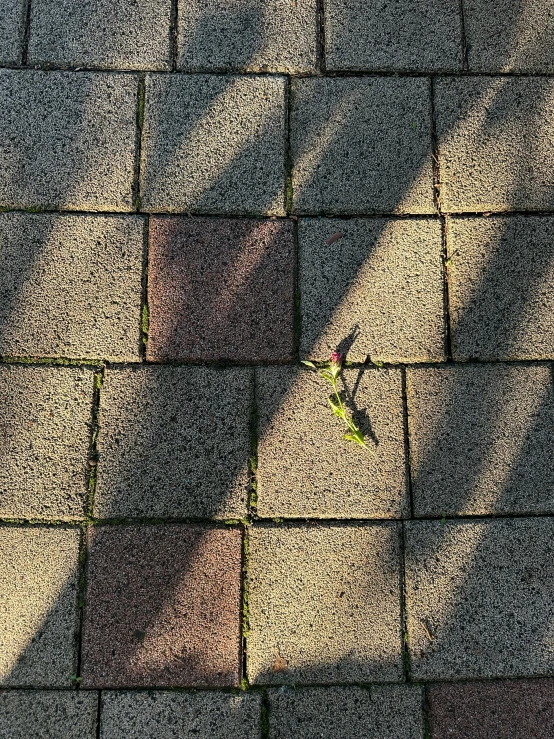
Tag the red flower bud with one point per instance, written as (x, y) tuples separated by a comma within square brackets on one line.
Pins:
[(336, 358)]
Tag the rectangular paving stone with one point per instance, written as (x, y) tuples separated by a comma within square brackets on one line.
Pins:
[(48, 714), (324, 604), (71, 286), (39, 618), (252, 36), (398, 35), (45, 417), (376, 290), (307, 468), (501, 287), (479, 598), (214, 144), (496, 143), (361, 145), (12, 29), (481, 439), (108, 34), (244, 271), (174, 442), (163, 607), (67, 140)]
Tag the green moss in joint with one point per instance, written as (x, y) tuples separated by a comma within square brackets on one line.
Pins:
[(145, 323)]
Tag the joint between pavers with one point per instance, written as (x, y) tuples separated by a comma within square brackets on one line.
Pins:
[(407, 453), (426, 712), (174, 34), (99, 708), (446, 288), (144, 309), (404, 647), (297, 297), (465, 59), (245, 606), (93, 449), (26, 35), (320, 43), (264, 717), (81, 594), (253, 459), (141, 94), (289, 194)]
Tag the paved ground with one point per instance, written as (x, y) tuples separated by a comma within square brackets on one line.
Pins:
[(195, 197)]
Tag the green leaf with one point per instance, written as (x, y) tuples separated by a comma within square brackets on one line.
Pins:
[(357, 437), (337, 410), (309, 364), (326, 375)]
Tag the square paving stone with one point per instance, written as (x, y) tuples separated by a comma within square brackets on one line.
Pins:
[(396, 35), (324, 604), (501, 287), (161, 715), (244, 272), (12, 29), (101, 33), (39, 618), (479, 598), (496, 143), (48, 714), (67, 140), (361, 145), (481, 439), (174, 442), (214, 144), (45, 419), (307, 468), (247, 36), (71, 286), (163, 607), (377, 290)]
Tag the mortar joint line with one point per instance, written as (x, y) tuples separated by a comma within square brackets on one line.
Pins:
[(173, 34), (141, 101), (465, 57), (245, 604), (264, 733), (426, 712), (26, 35), (320, 50), (407, 451), (288, 153), (81, 591), (144, 307), (99, 714), (405, 650)]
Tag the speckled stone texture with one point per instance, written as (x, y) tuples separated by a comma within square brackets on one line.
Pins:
[(361, 145), (306, 468), (159, 715), (324, 604), (221, 289), (248, 36), (12, 28), (496, 143), (188, 456), (71, 286), (481, 439), (376, 291), (162, 607), (515, 709), (214, 144), (48, 714), (479, 598), (45, 417), (39, 619), (101, 33)]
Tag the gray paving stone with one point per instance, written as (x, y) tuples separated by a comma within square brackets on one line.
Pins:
[(67, 140), (251, 36), (361, 145), (306, 468), (479, 598), (71, 286), (324, 604), (12, 28), (48, 714), (379, 712), (501, 287), (174, 442), (106, 33), (38, 607), (480, 439), (214, 144), (496, 143), (45, 417), (397, 35), (377, 290), (163, 715)]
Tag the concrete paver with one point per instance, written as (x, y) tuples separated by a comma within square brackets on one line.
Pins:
[(48, 714), (12, 29)]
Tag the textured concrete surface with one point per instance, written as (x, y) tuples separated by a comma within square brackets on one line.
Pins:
[(306, 468), (45, 417), (324, 604), (244, 272), (479, 598), (480, 439), (501, 287), (361, 145), (496, 143), (397, 35), (346, 288), (80, 127), (106, 33), (162, 607), (515, 709), (12, 28), (71, 286), (251, 36), (39, 619), (188, 457), (214, 144), (159, 715), (48, 714)]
